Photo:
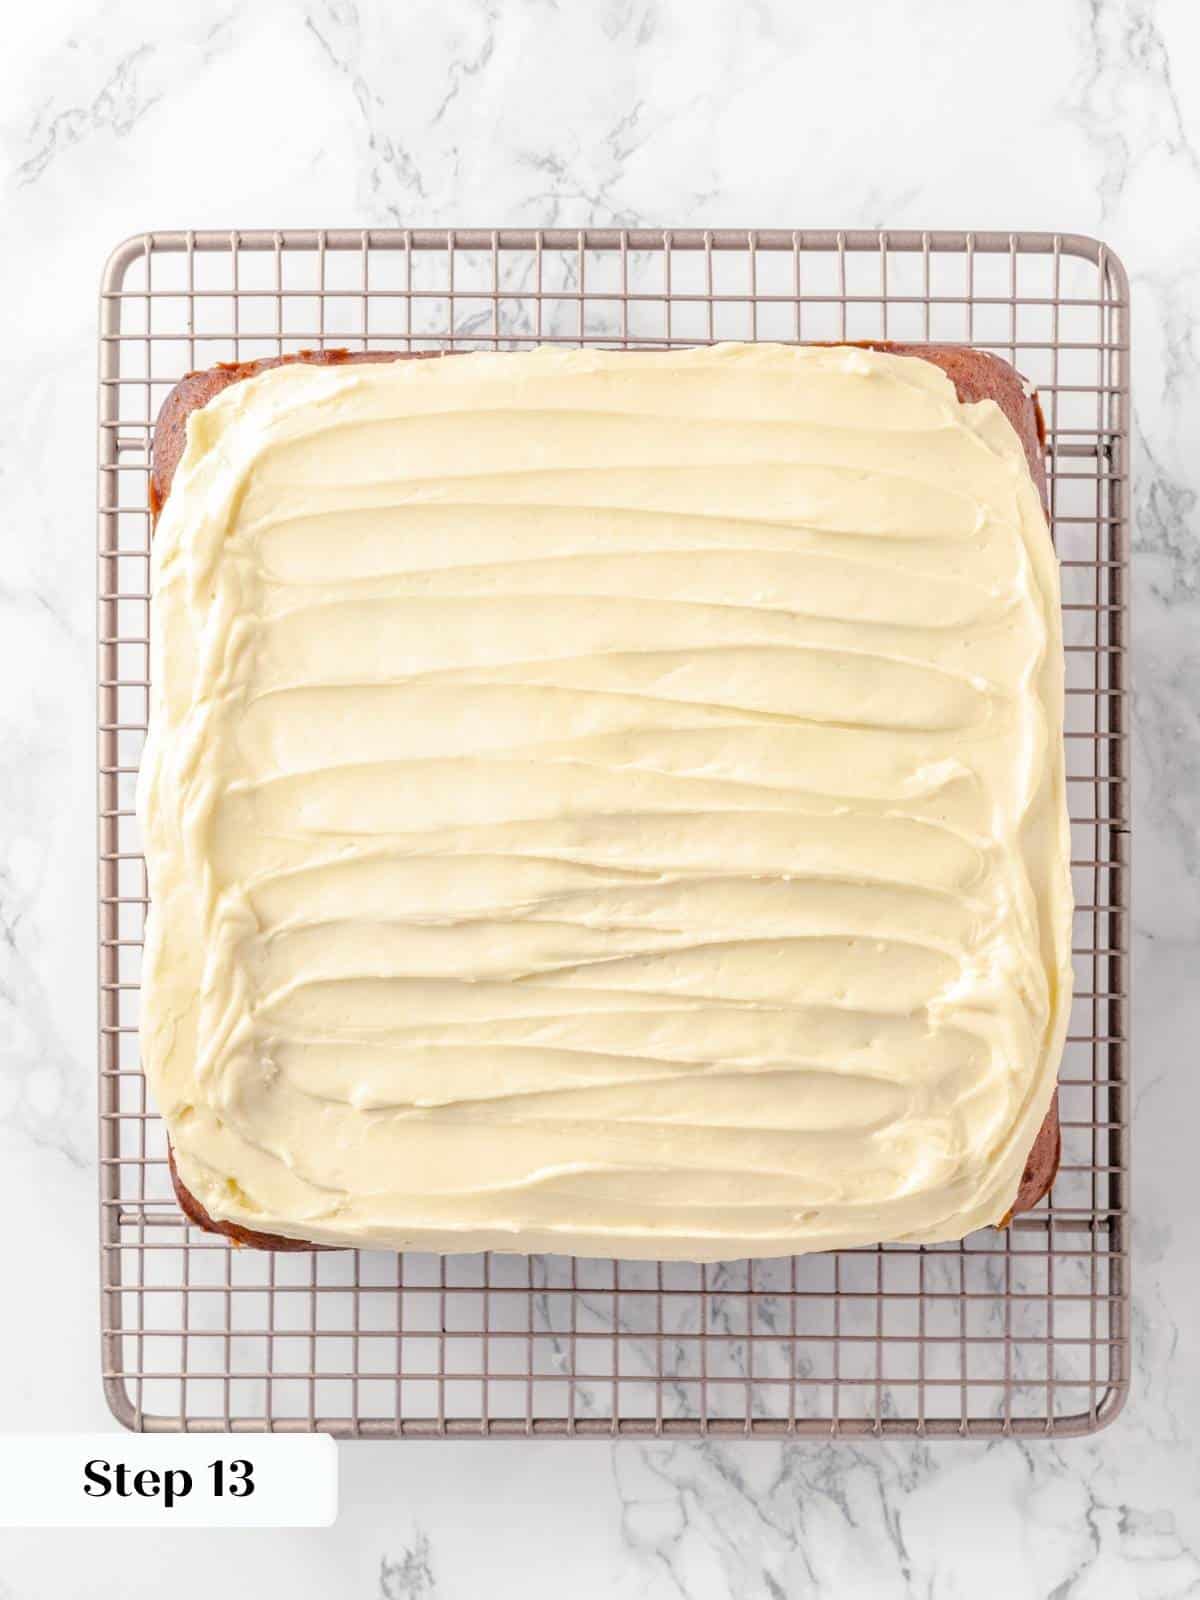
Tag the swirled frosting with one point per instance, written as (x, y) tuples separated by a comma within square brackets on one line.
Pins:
[(605, 802)]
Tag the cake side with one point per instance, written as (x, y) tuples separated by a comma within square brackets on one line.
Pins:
[(975, 376)]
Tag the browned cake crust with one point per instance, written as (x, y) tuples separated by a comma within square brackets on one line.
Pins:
[(975, 374)]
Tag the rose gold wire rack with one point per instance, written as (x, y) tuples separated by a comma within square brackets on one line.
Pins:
[(1021, 1332)]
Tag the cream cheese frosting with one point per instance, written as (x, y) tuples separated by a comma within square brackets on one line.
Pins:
[(605, 802)]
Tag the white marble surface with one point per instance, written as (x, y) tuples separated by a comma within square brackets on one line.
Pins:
[(125, 115)]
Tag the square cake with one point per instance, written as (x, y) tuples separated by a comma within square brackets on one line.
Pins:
[(606, 802)]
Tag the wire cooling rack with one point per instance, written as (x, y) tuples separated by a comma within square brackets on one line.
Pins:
[(1024, 1331)]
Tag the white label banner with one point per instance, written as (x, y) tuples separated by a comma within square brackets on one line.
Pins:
[(168, 1480)]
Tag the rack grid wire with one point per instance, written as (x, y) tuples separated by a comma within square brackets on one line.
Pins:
[(1023, 1331)]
